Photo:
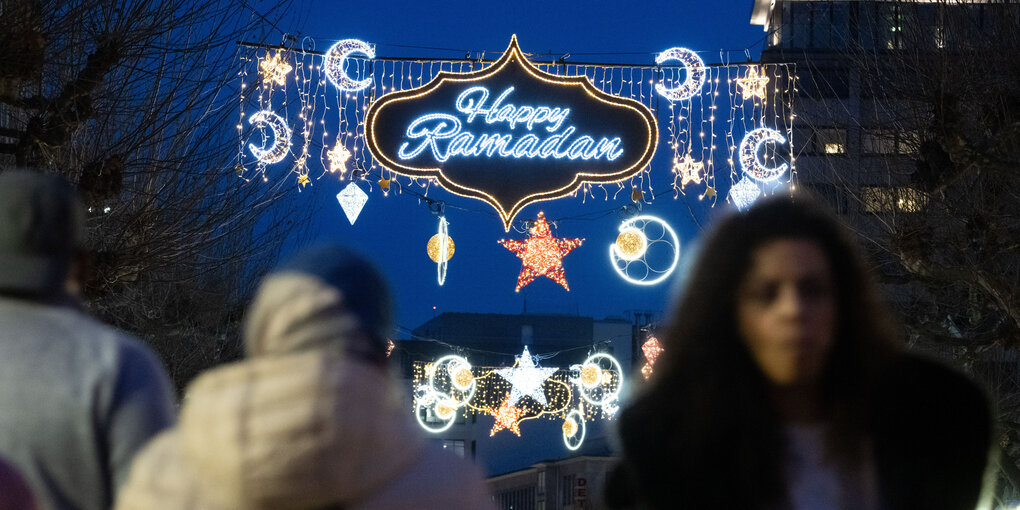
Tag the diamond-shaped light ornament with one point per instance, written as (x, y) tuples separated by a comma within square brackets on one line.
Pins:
[(352, 199), (744, 193)]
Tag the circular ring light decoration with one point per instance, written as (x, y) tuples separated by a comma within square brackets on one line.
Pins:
[(749, 161), (443, 425), (281, 137), (695, 74), (574, 429), (453, 366), (656, 259), (336, 58), (603, 363), (440, 249)]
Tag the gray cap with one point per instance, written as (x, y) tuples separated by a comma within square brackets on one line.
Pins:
[(42, 226)]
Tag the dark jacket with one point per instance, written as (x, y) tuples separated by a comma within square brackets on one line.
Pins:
[(931, 430)]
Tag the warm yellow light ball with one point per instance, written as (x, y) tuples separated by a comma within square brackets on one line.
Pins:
[(444, 410), (462, 378), (590, 375), (631, 244), (569, 427), (433, 248)]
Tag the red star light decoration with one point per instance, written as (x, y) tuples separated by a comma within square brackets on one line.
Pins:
[(541, 254), (507, 417)]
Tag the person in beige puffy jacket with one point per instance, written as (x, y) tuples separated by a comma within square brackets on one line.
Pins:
[(312, 419)]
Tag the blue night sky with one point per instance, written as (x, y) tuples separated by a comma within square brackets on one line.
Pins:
[(394, 229)]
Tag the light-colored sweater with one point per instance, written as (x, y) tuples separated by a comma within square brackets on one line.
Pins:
[(301, 424)]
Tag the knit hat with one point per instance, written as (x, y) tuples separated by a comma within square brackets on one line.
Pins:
[(42, 226), (323, 293)]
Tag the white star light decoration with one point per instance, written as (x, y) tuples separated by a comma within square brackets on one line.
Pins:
[(688, 170), (526, 378), (352, 199), (744, 193), (275, 69), (338, 157), (753, 84)]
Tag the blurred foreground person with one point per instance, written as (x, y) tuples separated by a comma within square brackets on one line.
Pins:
[(782, 387), (312, 419), (77, 398), (14, 491)]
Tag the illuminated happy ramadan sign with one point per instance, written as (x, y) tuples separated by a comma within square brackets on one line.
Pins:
[(511, 134)]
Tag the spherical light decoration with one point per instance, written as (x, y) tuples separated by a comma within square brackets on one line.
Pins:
[(608, 373), (591, 375), (573, 436), (570, 427), (445, 408), (462, 378), (655, 261), (433, 247), (631, 244)]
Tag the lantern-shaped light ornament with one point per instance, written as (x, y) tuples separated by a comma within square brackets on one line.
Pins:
[(352, 199), (744, 193)]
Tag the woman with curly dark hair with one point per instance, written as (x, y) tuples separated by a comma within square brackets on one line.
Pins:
[(782, 386)]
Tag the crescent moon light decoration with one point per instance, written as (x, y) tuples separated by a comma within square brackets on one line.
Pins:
[(646, 251), (695, 74), (336, 57), (749, 161), (281, 137)]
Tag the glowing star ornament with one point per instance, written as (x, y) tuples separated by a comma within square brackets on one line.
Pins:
[(695, 74), (352, 199), (336, 59), (384, 184), (637, 195), (303, 180), (709, 192), (278, 150), (526, 378), (749, 160), (338, 157), (688, 170), (753, 84), (541, 254), (275, 69), (744, 193), (507, 417)]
